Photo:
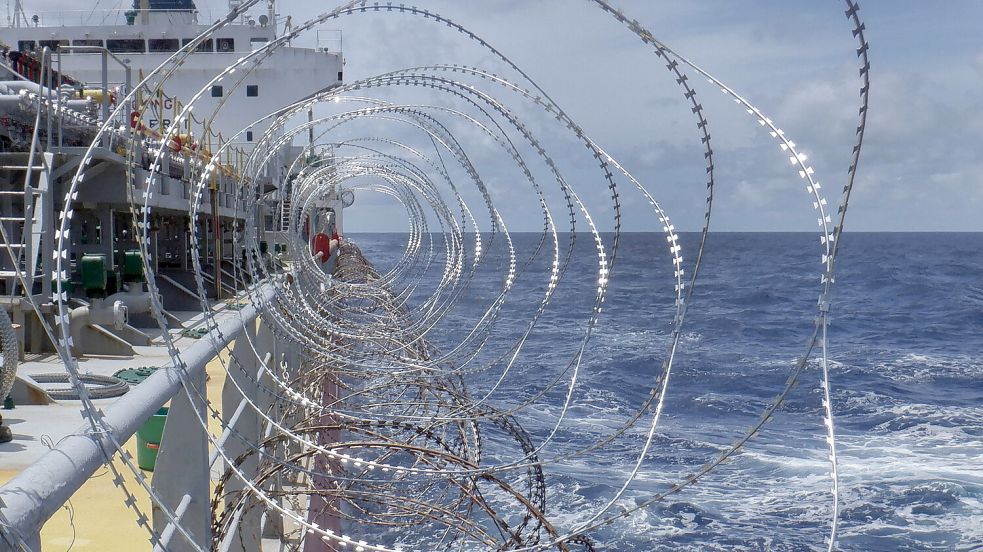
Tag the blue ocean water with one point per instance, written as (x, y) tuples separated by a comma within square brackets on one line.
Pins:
[(906, 349)]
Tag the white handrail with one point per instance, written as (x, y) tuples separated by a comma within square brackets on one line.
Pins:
[(35, 494)]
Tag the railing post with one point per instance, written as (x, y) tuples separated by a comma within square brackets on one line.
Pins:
[(47, 79), (182, 468), (105, 94), (168, 533), (266, 343), (45, 243)]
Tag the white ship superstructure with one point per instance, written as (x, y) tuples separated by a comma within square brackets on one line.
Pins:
[(61, 75), (95, 65), (144, 37)]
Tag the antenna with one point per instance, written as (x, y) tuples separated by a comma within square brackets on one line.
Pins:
[(19, 11)]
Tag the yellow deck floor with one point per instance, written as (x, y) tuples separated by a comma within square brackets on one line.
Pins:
[(97, 519)]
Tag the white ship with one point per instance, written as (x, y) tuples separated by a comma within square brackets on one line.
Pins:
[(61, 76)]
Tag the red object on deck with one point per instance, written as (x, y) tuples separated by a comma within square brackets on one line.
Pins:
[(321, 244)]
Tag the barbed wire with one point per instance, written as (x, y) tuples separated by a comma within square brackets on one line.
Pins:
[(378, 427)]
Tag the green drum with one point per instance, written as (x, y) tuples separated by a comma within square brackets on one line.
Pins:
[(148, 440)]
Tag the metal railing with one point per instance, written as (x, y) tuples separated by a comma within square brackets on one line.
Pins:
[(63, 18), (106, 55), (28, 500)]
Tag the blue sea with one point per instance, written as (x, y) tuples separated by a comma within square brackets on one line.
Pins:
[(906, 350)]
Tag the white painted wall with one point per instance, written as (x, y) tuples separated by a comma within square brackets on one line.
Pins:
[(289, 75)]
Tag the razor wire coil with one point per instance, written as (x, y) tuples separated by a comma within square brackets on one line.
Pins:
[(386, 431)]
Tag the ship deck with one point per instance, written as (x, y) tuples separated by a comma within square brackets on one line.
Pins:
[(37, 427), (105, 523)]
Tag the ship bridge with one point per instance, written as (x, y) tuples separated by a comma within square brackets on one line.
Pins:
[(165, 5)]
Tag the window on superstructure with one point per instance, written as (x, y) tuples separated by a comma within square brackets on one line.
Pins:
[(163, 45), (249, 136), (217, 91), (26, 45), (88, 42), (257, 42), (53, 44), (225, 45), (252, 90), (126, 45), (206, 45), (340, 75)]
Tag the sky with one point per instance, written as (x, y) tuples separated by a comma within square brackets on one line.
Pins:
[(921, 166)]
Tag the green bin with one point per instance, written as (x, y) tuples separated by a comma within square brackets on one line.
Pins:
[(148, 439), (132, 266), (93, 269)]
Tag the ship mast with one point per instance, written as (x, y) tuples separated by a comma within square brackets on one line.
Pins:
[(19, 14)]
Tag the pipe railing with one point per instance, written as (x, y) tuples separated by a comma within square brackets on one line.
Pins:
[(106, 55), (28, 500)]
